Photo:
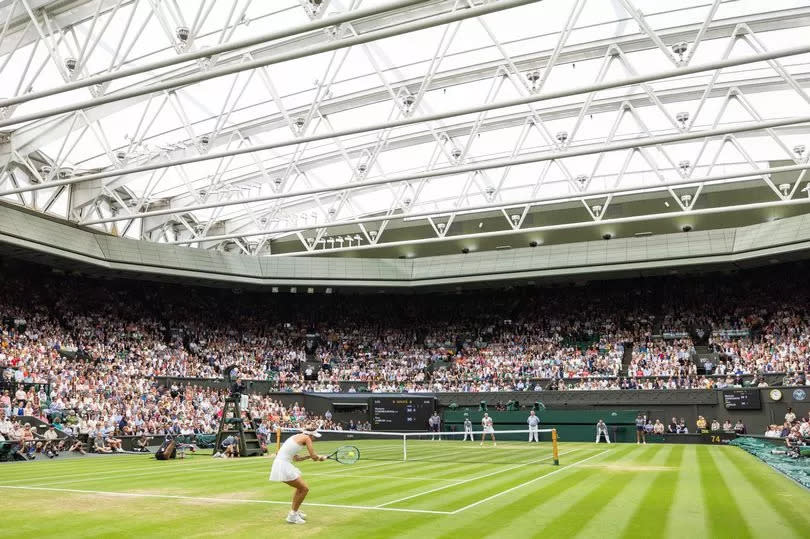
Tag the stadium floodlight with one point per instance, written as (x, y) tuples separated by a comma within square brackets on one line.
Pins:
[(596, 209), (432, 117), (408, 102), (682, 118), (680, 48), (686, 199), (562, 136), (799, 150), (71, 64), (684, 165), (784, 188), (533, 77), (183, 34)]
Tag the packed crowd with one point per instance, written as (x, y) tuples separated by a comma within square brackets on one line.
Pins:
[(100, 344), (794, 428)]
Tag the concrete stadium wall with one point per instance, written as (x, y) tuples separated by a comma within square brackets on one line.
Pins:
[(659, 404), (27, 231)]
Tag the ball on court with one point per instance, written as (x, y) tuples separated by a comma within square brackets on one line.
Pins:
[(351, 453)]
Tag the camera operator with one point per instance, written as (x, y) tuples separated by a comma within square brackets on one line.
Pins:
[(142, 444)]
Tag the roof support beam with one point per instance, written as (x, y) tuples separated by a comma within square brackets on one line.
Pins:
[(533, 98), (210, 51), (562, 226), (534, 201), (475, 167), (292, 55)]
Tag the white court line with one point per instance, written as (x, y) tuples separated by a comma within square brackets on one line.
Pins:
[(479, 502), (221, 500), (476, 478)]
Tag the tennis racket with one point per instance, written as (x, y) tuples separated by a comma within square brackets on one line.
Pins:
[(346, 454)]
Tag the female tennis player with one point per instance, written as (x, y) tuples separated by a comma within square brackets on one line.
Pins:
[(283, 470)]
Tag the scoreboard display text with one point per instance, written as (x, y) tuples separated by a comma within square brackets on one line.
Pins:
[(401, 413), (742, 399)]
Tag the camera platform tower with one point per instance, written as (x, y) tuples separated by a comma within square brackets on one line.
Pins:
[(233, 424)]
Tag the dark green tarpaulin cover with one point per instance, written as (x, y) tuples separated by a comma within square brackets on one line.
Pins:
[(795, 468)]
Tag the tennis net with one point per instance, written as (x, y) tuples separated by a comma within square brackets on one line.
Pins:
[(509, 446)]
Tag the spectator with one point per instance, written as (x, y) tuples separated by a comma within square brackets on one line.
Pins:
[(50, 447), (99, 445), (672, 428)]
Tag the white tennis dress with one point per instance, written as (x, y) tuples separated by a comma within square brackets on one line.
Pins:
[(283, 469)]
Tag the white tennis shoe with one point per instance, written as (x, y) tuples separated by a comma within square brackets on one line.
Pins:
[(295, 518)]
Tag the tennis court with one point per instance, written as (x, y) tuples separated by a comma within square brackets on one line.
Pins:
[(453, 490)]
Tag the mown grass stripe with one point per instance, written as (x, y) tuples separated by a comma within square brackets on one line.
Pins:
[(791, 501), (766, 496), (550, 498), (655, 503), (515, 514), (638, 475), (591, 505), (689, 519), (723, 516)]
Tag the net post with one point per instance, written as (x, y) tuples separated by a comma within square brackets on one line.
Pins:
[(404, 447), (554, 450)]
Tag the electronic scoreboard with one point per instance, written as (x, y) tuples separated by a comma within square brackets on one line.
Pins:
[(401, 413), (742, 399)]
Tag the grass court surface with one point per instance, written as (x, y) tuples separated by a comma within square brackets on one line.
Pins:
[(621, 490)]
